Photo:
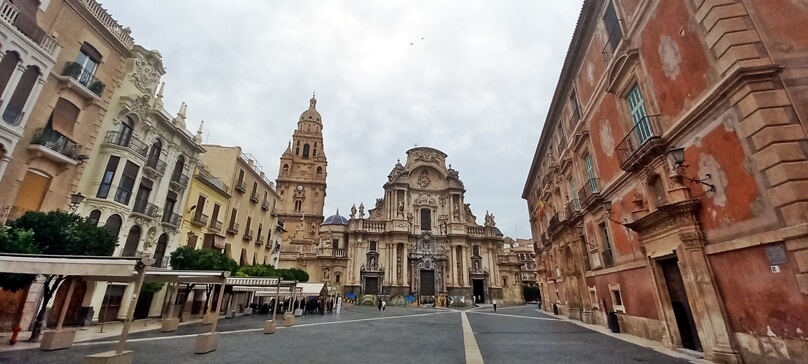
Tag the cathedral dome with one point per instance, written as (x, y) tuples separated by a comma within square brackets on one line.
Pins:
[(311, 114), (335, 219)]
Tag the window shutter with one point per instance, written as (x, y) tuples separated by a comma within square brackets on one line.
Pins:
[(64, 117)]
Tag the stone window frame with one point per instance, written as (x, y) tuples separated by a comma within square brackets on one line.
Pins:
[(593, 297), (617, 296)]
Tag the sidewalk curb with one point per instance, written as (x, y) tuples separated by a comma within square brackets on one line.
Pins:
[(636, 340)]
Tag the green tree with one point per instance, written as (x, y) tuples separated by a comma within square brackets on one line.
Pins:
[(188, 258), (268, 270), (57, 233), (20, 242)]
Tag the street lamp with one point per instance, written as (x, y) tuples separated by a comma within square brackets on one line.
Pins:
[(75, 200), (677, 157)]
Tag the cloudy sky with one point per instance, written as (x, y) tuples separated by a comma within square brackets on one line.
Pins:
[(475, 83)]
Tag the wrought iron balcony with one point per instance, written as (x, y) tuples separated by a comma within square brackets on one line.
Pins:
[(155, 166), (215, 226), (57, 142), (84, 77), (639, 143), (145, 208), (555, 221), (254, 196), (572, 208), (178, 181), (122, 196), (241, 187), (259, 239), (200, 220), (233, 229), (248, 235), (12, 116), (126, 141), (590, 190), (265, 205), (172, 219)]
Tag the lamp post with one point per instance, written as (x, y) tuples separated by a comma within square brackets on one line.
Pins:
[(75, 200)]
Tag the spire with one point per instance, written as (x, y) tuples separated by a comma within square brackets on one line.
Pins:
[(313, 102), (198, 137), (158, 101), (180, 119), (337, 211)]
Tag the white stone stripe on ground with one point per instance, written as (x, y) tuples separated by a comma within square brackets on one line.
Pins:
[(280, 322), (473, 355), (517, 316)]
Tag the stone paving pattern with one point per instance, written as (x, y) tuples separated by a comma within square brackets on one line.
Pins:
[(363, 334)]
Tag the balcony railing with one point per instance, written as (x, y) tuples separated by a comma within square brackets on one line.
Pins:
[(241, 187), (122, 196), (126, 141), (259, 239), (156, 165), (643, 133), (555, 221), (172, 219), (340, 253), (248, 235), (179, 181), (57, 142), (572, 207), (265, 205), (590, 188), (233, 228), (12, 116), (145, 208), (101, 14), (84, 77), (9, 14), (200, 220), (254, 196), (215, 225)]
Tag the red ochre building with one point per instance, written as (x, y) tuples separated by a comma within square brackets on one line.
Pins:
[(670, 181)]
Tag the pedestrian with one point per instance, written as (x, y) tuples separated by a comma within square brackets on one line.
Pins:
[(495, 304), (380, 304), (384, 304)]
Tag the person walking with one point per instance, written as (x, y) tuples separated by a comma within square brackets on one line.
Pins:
[(384, 305), (380, 304), (495, 304)]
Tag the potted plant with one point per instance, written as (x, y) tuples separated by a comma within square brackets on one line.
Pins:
[(97, 87), (72, 69)]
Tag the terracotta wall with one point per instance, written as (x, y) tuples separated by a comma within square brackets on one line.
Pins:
[(636, 286)]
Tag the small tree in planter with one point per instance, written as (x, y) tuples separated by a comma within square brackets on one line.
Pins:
[(187, 258), (57, 233)]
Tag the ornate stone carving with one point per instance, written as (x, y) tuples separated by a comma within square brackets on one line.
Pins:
[(425, 199), (690, 239), (424, 180), (423, 156), (145, 76)]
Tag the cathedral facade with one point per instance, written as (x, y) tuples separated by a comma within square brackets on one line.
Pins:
[(420, 243)]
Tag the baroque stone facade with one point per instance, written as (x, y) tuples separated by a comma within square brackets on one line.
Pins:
[(419, 243), (668, 187)]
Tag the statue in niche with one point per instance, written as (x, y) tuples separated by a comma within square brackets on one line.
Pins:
[(353, 211), (456, 212), (372, 263), (409, 217), (361, 210), (443, 227), (476, 265), (398, 265), (401, 208)]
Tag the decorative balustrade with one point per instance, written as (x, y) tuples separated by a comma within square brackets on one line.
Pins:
[(145, 208), (10, 14), (630, 149), (199, 220), (475, 231), (340, 253), (57, 142), (215, 226), (126, 141), (12, 116), (84, 77), (156, 165), (101, 14), (374, 226), (122, 195), (172, 219), (589, 190), (233, 228)]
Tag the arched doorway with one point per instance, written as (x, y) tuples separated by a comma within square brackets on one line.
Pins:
[(132, 242), (160, 250), (73, 316)]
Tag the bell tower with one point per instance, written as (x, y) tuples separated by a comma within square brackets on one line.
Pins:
[(301, 185)]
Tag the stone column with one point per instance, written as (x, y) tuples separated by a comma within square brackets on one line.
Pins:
[(465, 270), (3, 164), (453, 262)]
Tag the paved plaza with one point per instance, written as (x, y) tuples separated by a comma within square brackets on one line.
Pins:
[(363, 334)]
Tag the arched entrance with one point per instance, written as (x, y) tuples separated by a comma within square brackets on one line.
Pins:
[(160, 250), (132, 242)]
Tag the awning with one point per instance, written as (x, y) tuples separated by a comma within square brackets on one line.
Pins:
[(313, 288)]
